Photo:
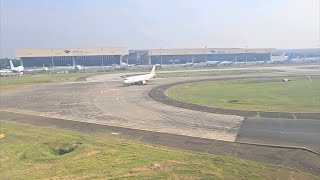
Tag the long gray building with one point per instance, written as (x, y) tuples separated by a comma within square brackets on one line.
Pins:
[(110, 56), (168, 56), (70, 56)]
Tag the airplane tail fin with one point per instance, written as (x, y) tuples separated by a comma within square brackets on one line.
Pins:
[(153, 71), (11, 65)]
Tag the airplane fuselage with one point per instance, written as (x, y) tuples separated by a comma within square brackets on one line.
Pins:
[(141, 79), (18, 69)]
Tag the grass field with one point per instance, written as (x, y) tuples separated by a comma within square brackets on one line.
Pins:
[(31, 152), (11, 83), (298, 95)]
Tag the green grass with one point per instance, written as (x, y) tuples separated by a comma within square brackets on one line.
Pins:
[(298, 95), (28, 152), (11, 83)]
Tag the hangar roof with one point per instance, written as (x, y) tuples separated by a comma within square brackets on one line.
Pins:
[(70, 52), (157, 52)]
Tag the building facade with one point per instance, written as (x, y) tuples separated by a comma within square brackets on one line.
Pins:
[(70, 56), (111, 56), (181, 56)]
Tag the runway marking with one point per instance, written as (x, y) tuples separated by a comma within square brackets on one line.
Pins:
[(117, 97), (114, 91), (108, 89), (135, 89)]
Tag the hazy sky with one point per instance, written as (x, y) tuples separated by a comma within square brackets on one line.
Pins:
[(158, 23)]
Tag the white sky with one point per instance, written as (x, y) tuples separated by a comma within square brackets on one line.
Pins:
[(158, 24)]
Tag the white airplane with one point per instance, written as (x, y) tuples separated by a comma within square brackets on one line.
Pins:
[(239, 63), (126, 64), (18, 69), (261, 62), (188, 64), (279, 59), (312, 59), (44, 68), (226, 63), (79, 67), (140, 79), (212, 63)]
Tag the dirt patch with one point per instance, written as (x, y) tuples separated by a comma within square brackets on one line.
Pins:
[(59, 149)]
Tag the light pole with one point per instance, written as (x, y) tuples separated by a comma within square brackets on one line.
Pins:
[(246, 54), (52, 60), (102, 57), (160, 58)]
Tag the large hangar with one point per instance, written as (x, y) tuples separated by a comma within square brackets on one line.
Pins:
[(168, 56), (70, 56)]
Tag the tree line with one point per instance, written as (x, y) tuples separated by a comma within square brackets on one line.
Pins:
[(5, 64)]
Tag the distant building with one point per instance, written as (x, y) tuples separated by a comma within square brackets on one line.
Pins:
[(110, 56), (181, 56), (70, 56)]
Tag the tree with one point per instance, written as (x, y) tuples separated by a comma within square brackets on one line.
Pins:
[(4, 63)]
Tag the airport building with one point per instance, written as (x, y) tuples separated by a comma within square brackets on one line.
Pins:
[(111, 56), (70, 56), (181, 56)]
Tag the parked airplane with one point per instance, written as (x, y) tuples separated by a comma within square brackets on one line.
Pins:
[(127, 64), (261, 62), (226, 63), (239, 63), (212, 63), (189, 64), (140, 79), (312, 59), (18, 69), (79, 67), (279, 59), (44, 68), (122, 66)]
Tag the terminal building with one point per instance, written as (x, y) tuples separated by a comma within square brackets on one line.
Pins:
[(181, 56), (70, 56), (111, 56)]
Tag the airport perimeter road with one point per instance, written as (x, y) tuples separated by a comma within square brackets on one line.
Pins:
[(104, 99)]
